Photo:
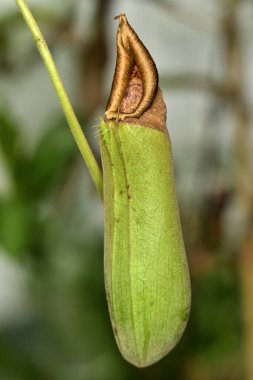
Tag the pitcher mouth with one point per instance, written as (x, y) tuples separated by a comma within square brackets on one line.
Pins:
[(135, 81)]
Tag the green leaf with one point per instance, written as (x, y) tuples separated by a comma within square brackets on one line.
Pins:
[(51, 160), (16, 225)]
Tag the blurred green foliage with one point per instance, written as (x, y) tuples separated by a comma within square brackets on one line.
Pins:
[(49, 230), (34, 179)]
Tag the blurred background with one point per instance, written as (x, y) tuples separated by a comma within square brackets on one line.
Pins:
[(54, 323)]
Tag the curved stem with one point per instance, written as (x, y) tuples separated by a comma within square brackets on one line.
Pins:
[(73, 123)]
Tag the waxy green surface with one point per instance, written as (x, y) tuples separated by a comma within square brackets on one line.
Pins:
[(146, 272)]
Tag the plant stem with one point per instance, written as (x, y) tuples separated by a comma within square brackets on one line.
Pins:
[(71, 118), (243, 159)]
